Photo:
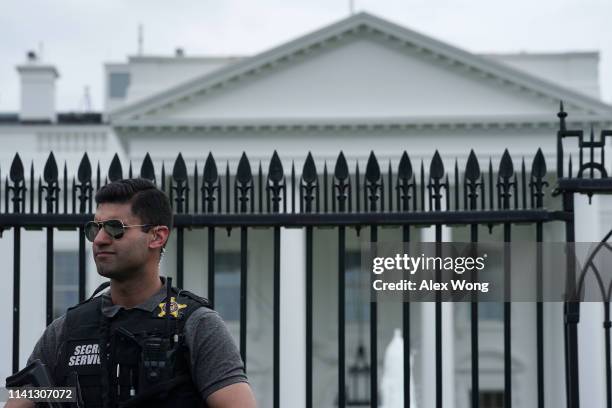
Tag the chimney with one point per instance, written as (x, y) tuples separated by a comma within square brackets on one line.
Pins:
[(37, 90)]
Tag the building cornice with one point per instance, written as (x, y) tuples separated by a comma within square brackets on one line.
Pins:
[(365, 124)]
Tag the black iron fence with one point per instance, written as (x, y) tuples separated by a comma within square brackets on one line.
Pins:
[(408, 195)]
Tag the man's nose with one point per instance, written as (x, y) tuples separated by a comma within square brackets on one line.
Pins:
[(102, 238)]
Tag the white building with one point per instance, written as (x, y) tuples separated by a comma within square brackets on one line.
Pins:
[(358, 85)]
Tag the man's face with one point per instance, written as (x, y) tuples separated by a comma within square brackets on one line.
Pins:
[(125, 257)]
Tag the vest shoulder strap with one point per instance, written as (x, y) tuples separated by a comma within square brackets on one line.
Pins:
[(202, 301), (100, 288), (92, 301), (86, 312)]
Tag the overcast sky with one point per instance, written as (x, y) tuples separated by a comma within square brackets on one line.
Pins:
[(78, 36)]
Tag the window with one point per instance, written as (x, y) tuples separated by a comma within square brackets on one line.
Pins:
[(118, 83), (227, 285), (356, 294), (491, 311), (65, 282)]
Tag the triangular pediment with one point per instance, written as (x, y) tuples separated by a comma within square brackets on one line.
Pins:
[(361, 67)]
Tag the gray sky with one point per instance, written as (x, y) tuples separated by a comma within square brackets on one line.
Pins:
[(80, 36)]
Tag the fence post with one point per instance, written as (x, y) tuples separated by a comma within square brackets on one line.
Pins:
[(590, 333)]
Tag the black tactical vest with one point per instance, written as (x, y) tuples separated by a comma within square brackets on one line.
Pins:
[(147, 361)]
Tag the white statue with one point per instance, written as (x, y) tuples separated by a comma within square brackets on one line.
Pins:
[(392, 387)]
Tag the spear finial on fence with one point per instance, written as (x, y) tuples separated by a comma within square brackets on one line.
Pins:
[(341, 183), (115, 172), (309, 183), (373, 183), (275, 185), (147, 170), (210, 183), (243, 183)]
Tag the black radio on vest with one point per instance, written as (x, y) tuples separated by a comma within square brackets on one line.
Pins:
[(135, 358)]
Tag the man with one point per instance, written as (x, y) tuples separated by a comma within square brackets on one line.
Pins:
[(142, 343)]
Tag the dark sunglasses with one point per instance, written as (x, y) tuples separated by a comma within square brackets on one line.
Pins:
[(114, 228)]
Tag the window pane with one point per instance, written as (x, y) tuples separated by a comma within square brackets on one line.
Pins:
[(491, 311), (356, 304), (118, 83), (65, 281), (227, 285)]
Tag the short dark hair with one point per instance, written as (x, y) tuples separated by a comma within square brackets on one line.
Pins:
[(149, 203)]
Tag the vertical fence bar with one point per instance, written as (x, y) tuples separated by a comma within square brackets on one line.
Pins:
[(436, 174), (537, 188), (373, 337), (341, 316), (474, 335), (260, 187), (277, 187), (65, 188), (16, 297), (49, 300), (31, 189), (242, 183), (82, 274), (372, 192), (470, 199), (340, 187), (6, 196), (325, 186), (505, 187), (243, 292), (211, 265), (309, 315), (540, 317), (308, 192), (571, 311), (277, 278), (180, 253), (403, 187), (538, 172), (607, 325), (227, 188), (571, 308), (438, 314), (507, 321), (406, 329)]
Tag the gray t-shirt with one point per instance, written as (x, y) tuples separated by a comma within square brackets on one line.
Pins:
[(215, 360)]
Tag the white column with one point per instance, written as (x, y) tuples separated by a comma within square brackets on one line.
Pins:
[(427, 396), (448, 350), (428, 343), (293, 317), (6, 305), (591, 352)]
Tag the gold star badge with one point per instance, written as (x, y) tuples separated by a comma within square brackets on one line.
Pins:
[(174, 308)]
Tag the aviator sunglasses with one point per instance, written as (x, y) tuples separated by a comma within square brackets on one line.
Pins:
[(114, 228)]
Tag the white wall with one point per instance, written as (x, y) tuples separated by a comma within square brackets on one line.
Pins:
[(578, 71)]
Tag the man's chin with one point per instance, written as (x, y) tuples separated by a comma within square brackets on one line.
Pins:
[(105, 271)]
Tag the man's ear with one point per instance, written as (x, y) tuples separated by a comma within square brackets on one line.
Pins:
[(160, 236)]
